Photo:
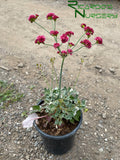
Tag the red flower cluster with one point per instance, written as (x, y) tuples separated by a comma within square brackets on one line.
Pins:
[(64, 53), (70, 51), (69, 33), (87, 43), (89, 31), (56, 45), (99, 40), (64, 38), (51, 16), (71, 44), (32, 18), (54, 33), (40, 39)]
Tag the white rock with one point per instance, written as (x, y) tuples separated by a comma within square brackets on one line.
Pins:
[(86, 123), (21, 65), (102, 135), (106, 139), (98, 67), (95, 133), (27, 157), (104, 115), (100, 71), (112, 70), (100, 125), (101, 150), (105, 130)]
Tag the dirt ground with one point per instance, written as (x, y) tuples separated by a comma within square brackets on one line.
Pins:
[(99, 81)]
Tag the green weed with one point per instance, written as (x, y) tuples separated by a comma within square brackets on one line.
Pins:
[(8, 94)]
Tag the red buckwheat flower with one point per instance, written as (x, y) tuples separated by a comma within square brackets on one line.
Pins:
[(70, 51), (54, 33), (56, 45), (64, 38), (71, 44), (63, 53), (89, 29), (87, 43), (54, 17), (32, 18), (40, 39), (83, 25), (49, 15), (36, 15), (88, 34), (99, 40), (69, 33)]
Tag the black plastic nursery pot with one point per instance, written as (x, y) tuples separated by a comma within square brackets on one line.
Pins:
[(59, 144)]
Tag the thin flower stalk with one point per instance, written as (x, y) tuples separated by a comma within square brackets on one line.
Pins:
[(48, 44), (78, 41), (61, 77), (78, 49), (42, 27)]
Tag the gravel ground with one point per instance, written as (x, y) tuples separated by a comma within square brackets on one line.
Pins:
[(99, 82)]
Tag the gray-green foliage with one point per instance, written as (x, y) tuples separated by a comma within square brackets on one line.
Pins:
[(67, 107)]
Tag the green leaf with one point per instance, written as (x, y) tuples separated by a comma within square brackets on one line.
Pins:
[(36, 108), (83, 104), (77, 116), (57, 122), (72, 121)]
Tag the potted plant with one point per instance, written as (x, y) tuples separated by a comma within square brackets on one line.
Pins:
[(58, 115)]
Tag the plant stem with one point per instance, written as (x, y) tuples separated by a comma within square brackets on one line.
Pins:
[(54, 25), (61, 77), (42, 27), (77, 77), (78, 49), (78, 41), (48, 44), (68, 43)]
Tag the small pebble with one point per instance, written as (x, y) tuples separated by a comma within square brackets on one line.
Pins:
[(27, 157), (20, 65), (101, 150), (105, 130), (106, 139), (98, 67), (100, 71), (30, 100), (100, 125), (36, 143), (86, 123), (104, 115), (112, 70)]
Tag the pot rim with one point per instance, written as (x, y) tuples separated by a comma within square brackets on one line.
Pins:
[(59, 137)]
